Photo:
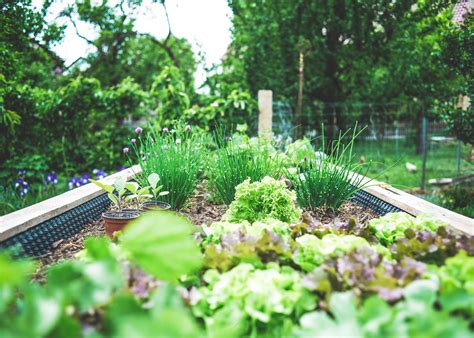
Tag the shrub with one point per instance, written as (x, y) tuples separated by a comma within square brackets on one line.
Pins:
[(234, 163), (262, 200), (330, 180), (176, 157)]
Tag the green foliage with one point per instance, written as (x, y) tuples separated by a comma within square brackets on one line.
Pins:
[(169, 96), (414, 316), (236, 162), (237, 107), (366, 51), (312, 251), (332, 179), (394, 225), (456, 283), (78, 289), (161, 243), (176, 156), (300, 151), (243, 297), (261, 200)]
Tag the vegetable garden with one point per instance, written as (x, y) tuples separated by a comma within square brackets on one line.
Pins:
[(265, 239)]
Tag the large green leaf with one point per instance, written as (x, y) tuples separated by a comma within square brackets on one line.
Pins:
[(161, 243)]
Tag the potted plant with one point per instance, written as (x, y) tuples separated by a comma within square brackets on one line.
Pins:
[(116, 220), (153, 179)]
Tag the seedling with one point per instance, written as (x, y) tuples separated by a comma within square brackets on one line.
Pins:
[(115, 191)]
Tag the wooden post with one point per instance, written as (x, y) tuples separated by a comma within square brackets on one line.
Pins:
[(265, 107)]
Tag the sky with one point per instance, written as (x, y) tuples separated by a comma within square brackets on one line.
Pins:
[(204, 23)]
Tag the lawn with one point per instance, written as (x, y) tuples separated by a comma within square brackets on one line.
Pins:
[(387, 162)]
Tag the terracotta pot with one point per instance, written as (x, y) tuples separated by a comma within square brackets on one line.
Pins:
[(117, 220), (155, 205)]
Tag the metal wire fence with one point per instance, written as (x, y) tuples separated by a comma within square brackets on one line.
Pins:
[(402, 144)]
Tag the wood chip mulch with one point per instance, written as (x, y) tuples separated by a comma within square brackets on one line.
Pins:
[(199, 211)]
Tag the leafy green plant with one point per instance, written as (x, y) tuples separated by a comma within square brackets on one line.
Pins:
[(116, 191), (332, 179), (76, 290), (394, 225), (312, 251), (456, 278), (176, 157), (258, 201), (142, 194), (245, 297), (415, 316), (234, 163)]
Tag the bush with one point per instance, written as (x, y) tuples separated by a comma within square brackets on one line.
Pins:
[(259, 201)]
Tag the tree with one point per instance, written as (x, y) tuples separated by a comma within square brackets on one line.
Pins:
[(372, 51)]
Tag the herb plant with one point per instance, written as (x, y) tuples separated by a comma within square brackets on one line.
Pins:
[(236, 162), (176, 156), (332, 179)]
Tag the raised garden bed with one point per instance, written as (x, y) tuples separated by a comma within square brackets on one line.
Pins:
[(260, 266)]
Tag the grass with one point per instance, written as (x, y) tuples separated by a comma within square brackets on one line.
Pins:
[(388, 159)]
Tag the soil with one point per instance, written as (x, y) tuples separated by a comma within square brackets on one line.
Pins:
[(199, 211), (346, 211)]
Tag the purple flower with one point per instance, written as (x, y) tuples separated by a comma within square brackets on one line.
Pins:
[(187, 128), (74, 182), (99, 173), (22, 186), (134, 140), (178, 141), (165, 130), (51, 178), (125, 150), (85, 178), (21, 172), (138, 130), (122, 168)]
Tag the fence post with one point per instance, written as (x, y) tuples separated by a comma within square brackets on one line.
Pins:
[(458, 155), (424, 149), (265, 108)]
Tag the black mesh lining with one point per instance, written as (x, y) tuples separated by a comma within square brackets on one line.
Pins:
[(367, 200), (38, 240)]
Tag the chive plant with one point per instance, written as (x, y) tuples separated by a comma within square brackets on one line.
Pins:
[(235, 162), (332, 179), (176, 157)]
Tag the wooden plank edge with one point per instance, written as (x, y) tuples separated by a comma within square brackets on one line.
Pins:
[(416, 206), (21, 220)]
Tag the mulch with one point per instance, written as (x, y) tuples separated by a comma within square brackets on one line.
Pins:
[(346, 211), (200, 211)]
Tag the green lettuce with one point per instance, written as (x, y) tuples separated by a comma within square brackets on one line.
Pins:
[(252, 295), (259, 201), (214, 231), (312, 251), (392, 226)]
